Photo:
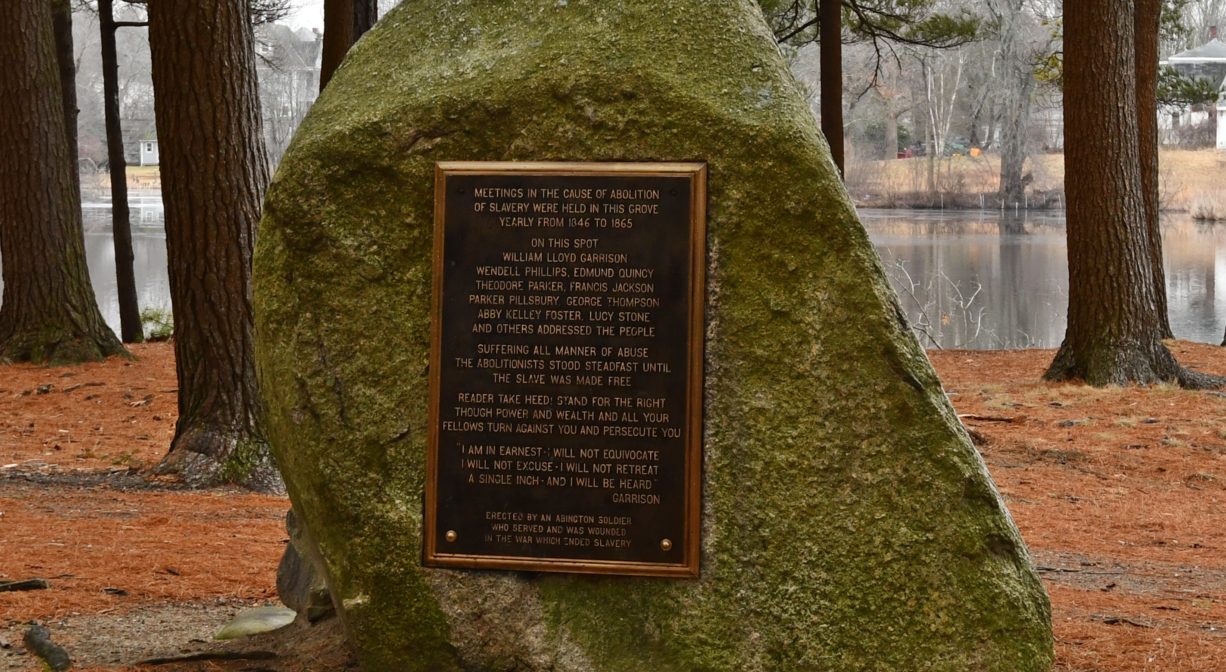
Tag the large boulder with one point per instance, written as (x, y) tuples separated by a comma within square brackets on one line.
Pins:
[(300, 581), (848, 524)]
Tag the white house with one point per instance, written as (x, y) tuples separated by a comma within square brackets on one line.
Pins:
[(149, 152), (1221, 118), (140, 142), (1205, 62), (288, 69)]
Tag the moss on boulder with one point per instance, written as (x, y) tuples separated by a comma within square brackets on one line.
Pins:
[(848, 524)]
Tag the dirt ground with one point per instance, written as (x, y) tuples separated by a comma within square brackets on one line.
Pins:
[(1120, 494)]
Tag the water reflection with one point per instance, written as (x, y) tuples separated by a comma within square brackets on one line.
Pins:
[(985, 281), (148, 250), (148, 259), (966, 279)]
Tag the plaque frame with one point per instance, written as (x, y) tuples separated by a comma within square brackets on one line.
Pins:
[(689, 566)]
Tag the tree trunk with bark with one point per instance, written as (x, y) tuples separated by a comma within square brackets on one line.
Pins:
[(48, 313), (890, 143), (1013, 143), (993, 129), (1018, 74), (831, 57), (889, 95), (1113, 334), (975, 121), (121, 227), (65, 56), (1146, 25), (344, 22), (214, 174)]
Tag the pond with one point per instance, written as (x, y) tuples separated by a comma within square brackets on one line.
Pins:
[(966, 279), (148, 250), (980, 280)]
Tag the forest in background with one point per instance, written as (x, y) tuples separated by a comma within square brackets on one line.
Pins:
[(940, 78), (980, 81)]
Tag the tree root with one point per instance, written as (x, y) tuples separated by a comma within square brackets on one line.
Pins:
[(27, 584), (204, 455), (1195, 380), (38, 641), (1127, 364), (55, 347)]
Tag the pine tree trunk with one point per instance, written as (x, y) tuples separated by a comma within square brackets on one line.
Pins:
[(344, 22), (121, 226), (214, 174), (48, 313), (365, 14), (61, 23), (1146, 24), (831, 57), (1113, 334)]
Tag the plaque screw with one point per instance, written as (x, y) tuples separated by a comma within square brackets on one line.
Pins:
[(666, 544), (452, 536)]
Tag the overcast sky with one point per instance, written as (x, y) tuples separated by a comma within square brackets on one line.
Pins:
[(310, 13), (306, 14)]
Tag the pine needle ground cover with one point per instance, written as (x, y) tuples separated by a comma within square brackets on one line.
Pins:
[(1119, 493)]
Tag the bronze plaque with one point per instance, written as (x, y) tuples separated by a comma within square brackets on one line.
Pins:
[(566, 367)]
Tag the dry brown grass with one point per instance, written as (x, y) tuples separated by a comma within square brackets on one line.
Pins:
[(1209, 207), (1195, 175), (1190, 179)]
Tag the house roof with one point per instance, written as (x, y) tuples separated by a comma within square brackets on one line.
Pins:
[(286, 49), (1213, 51)]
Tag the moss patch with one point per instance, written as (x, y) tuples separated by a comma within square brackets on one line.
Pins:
[(848, 523)]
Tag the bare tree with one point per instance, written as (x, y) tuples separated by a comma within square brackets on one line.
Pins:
[(880, 22), (983, 73), (894, 103), (268, 11), (941, 71), (1017, 61), (1199, 16), (289, 84)]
